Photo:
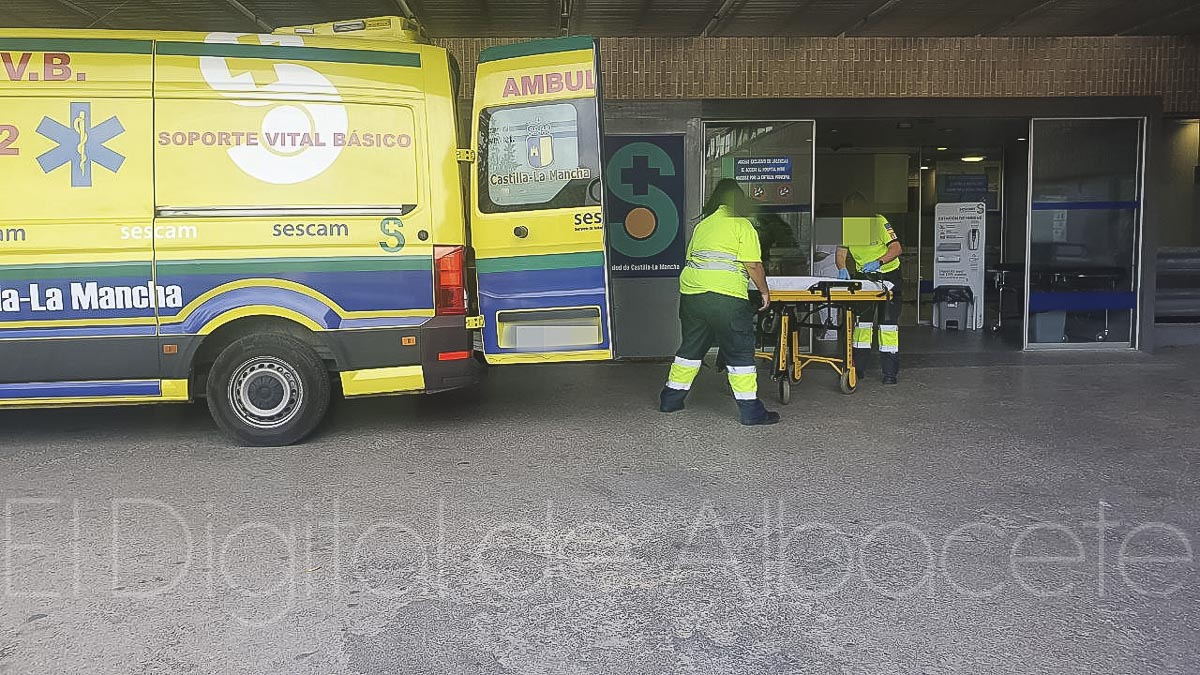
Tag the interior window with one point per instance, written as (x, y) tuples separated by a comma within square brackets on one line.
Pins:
[(538, 156)]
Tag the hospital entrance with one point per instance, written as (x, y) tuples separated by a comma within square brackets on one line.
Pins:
[(1017, 233)]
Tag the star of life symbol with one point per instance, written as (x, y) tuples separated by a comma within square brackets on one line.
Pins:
[(81, 144)]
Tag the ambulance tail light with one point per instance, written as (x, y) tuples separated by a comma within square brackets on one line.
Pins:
[(450, 280)]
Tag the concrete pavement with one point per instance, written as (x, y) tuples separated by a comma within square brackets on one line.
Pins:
[(1038, 517)]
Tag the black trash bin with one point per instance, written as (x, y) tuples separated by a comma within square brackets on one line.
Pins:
[(954, 304)]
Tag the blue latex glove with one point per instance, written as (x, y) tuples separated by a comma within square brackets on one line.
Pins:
[(844, 274), (871, 267)]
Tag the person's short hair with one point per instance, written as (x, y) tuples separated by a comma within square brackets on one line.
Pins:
[(856, 204), (727, 192)]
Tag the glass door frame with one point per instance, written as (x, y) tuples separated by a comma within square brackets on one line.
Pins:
[(812, 183), (812, 187), (1136, 270)]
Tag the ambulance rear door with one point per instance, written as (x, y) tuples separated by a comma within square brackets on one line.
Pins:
[(537, 221)]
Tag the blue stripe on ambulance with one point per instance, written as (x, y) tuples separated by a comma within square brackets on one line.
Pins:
[(536, 289), (356, 291), (97, 389)]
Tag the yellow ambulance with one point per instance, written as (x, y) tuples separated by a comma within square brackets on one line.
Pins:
[(264, 220)]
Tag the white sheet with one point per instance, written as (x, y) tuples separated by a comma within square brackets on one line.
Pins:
[(805, 283)]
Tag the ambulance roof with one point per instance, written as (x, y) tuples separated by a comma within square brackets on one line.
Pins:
[(385, 34)]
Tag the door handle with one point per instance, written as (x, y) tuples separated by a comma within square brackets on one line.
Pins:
[(521, 231)]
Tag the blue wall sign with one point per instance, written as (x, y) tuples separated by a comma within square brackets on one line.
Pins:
[(962, 187), (762, 169)]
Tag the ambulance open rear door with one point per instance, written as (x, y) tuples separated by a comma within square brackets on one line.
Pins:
[(537, 221)]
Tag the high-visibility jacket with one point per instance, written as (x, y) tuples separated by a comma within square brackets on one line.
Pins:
[(720, 245), (881, 234)]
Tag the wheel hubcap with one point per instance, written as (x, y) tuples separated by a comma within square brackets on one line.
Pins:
[(266, 392)]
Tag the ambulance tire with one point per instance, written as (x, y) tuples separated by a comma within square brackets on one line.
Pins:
[(848, 382), (268, 390)]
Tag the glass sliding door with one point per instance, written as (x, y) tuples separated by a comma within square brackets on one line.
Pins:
[(1085, 210), (773, 162)]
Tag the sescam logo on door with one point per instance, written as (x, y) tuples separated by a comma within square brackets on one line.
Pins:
[(83, 296)]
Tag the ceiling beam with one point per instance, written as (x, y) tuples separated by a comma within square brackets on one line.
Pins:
[(950, 13), (717, 19), (254, 18), (796, 18), (643, 13), (22, 21), (576, 14), (564, 17), (1021, 17), (406, 10), (1161, 18), (887, 6), (95, 20)]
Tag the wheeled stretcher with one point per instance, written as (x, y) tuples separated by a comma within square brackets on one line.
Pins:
[(799, 302)]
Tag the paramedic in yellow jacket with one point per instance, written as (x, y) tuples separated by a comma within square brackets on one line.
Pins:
[(877, 257), (723, 258)]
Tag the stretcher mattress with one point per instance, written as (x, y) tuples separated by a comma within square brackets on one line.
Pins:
[(805, 283)]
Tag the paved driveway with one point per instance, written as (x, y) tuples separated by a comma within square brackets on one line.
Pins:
[(970, 520)]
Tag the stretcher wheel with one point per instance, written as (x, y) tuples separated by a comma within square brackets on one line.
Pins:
[(849, 381), (785, 390)]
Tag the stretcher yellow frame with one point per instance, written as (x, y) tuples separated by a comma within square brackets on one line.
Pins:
[(788, 362)]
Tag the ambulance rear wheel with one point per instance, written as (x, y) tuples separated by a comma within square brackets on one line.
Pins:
[(785, 389), (268, 390)]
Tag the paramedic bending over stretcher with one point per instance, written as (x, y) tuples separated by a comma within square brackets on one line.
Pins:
[(879, 256), (714, 305)]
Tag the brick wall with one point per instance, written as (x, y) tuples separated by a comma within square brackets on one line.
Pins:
[(695, 68)]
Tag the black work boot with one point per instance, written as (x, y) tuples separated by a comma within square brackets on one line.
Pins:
[(862, 359), (754, 413), (671, 400), (891, 367)]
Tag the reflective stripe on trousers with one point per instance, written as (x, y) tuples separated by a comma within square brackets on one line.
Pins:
[(862, 334), (743, 380), (889, 339), (683, 372)]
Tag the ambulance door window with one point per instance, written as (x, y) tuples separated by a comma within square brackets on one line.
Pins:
[(533, 157)]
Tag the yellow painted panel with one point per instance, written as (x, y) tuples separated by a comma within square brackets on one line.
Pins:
[(76, 158), (286, 153), (175, 390), (84, 241), (283, 237), (58, 68), (218, 76), (76, 402), (383, 380), (550, 357), (501, 83), (520, 151)]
